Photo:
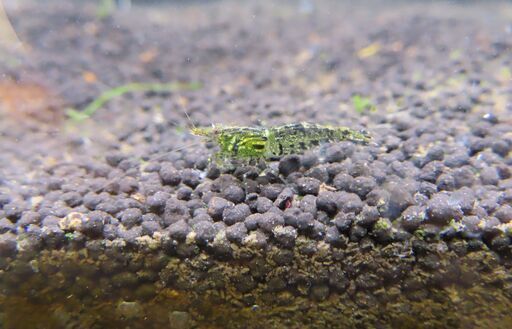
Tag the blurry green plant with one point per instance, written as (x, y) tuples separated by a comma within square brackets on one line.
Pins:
[(180, 129), (455, 54), (420, 233), (105, 8), (9, 60), (505, 73), (69, 236), (362, 104), (457, 226), (95, 105)]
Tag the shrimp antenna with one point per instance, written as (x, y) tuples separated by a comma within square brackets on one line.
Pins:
[(189, 119), (183, 147), (173, 122)]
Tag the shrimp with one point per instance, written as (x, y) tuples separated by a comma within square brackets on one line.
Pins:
[(261, 143)]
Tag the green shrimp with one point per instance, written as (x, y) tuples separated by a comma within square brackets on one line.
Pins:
[(256, 143)]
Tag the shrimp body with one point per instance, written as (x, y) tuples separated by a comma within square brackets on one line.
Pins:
[(273, 142)]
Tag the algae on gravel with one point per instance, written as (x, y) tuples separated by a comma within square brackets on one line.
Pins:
[(410, 284)]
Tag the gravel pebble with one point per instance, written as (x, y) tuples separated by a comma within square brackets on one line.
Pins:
[(130, 235), (157, 201), (169, 174), (441, 209), (109, 231), (184, 193), (252, 221), (399, 199), (339, 152), (359, 168), (308, 185), (175, 210), (504, 213), (131, 217), (113, 159), (8, 245), (233, 193), (271, 191), (285, 236), (362, 185), (216, 207), (251, 200), (27, 218), (309, 160), (446, 182), (368, 216), (436, 152), (6, 226), (53, 236), (317, 232), (343, 182), (284, 199), (333, 237), (500, 243), (128, 185), (472, 229), (263, 205), (150, 226), (456, 159), (299, 219), (427, 189), (465, 198), (4, 199), (289, 164), (191, 177), (357, 233), (236, 214), (268, 221), (308, 204), (179, 230), (50, 220), (463, 177), (504, 171), (320, 173), (501, 147), (72, 199), (382, 230), (93, 224), (349, 202), (327, 202), (108, 207), (489, 176), (413, 217), (205, 232), (200, 215), (432, 171), (13, 210), (343, 221), (91, 200), (236, 233), (490, 226)]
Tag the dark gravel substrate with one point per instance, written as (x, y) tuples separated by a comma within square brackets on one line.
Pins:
[(101, 226)]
